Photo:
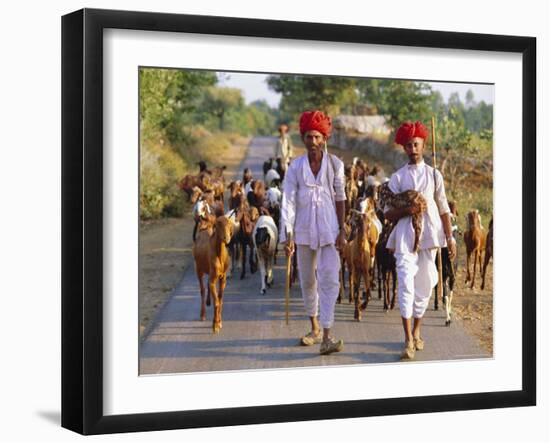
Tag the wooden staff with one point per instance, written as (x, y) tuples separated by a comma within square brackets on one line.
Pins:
[(439, 262), (287, 288)]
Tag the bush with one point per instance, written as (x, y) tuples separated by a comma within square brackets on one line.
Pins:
[(468, 199), (208, 147), (163, 166), (161, 170)]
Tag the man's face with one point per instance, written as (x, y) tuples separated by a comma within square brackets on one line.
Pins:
[(414, 149), (314, 140)]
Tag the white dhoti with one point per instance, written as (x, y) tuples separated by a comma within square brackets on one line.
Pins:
[(416, 275), (319, 278)]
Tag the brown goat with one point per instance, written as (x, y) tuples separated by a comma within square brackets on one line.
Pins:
[(474, 240), (200, 252), (189, 182), (236, 194), (344, 260), (360, 263), (488, 252), (212, 258), (219, 264), (216, 185)]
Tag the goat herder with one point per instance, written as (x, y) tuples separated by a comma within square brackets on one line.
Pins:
[(416, 271), (313, 210)]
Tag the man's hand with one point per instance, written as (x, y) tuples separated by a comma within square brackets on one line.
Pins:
[(451, 246), (341, 240), (289, 248)]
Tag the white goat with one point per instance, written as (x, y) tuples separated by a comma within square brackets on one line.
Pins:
[(271, 175), (274, 197), (265, 237)]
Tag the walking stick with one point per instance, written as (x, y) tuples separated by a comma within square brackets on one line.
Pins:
[(287, 288), (439, 293)]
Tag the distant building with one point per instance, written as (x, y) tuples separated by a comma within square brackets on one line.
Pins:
[(371, 126)]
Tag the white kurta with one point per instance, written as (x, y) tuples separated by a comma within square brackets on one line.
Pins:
[(309, 212), (416, 272), (420, 177), (308, 209)]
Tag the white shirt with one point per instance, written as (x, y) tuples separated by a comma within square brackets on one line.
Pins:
[(308, 209), (419, 177)]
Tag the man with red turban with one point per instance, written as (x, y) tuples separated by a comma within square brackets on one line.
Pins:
[(312, 218), (416, 271)]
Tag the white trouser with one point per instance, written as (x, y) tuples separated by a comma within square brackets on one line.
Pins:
[(319, 271), (416, 276)]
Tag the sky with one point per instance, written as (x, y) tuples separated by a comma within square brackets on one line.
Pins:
[(254, 87)]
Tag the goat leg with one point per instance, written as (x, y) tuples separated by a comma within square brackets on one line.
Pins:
[(366, 292), (394, 287), (468, 253), (243, 259), (485, 264), (222, 283), (357, 296), (386, 290), (216, 319), (203, 299), (476, 252), (382, 289)]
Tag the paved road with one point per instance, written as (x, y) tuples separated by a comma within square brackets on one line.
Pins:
[(255, 335)]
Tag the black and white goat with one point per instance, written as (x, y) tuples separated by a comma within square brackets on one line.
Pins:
[(448, 276), (265, 237)]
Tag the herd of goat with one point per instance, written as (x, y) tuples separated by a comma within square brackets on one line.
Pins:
[(243, 228)]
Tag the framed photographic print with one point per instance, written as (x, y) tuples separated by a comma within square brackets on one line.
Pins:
[(178, 134)]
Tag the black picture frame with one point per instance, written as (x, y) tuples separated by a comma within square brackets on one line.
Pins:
[(82, 218)]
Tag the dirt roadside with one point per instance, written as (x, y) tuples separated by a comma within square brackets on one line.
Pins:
[(165, 249), (473, 308)]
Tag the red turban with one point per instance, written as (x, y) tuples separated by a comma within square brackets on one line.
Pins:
[(315, 121), (409, 130)]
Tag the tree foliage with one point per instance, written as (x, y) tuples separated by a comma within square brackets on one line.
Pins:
[(306, 92), (398, 100), (166, 95), (219, 101)]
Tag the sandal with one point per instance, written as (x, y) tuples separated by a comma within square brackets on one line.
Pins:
[(329, 346), (408, 351), (311, 339)]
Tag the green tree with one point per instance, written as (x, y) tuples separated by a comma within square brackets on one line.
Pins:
[(219, 101), (166, 94), (479, 117), (307, 92), (470, 98), (264, 117), (398, 100)]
